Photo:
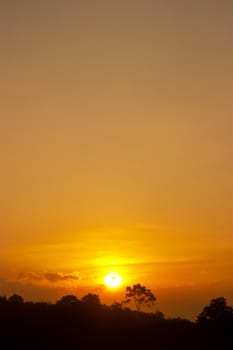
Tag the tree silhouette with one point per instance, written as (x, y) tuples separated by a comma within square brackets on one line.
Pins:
[(89, 324), (91, 299), (16, 299), (139, 296), (216, 310), (68, 299), (116, 305)]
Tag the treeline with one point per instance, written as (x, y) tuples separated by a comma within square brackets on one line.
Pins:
[(89, 324)]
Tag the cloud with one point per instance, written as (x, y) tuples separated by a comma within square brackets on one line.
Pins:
[(57, 277), (32, 276), (47, 276)]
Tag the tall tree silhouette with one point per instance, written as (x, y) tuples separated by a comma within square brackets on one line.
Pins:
[(139, 296)]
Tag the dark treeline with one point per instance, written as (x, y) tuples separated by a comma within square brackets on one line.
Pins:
[(88, 324)]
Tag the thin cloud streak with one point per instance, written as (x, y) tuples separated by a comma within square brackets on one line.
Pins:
[(48, 276)]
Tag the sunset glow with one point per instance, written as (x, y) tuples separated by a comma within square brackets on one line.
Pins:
[(116, 148), (113, 280)]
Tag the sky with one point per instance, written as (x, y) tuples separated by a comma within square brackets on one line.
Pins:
[(116, 149)]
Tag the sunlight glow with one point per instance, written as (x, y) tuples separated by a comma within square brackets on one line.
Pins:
[(113, 280)]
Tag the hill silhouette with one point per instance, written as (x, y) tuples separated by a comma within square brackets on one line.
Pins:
[(89, 324)]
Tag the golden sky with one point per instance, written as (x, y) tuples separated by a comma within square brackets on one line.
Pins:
[(116, 136)]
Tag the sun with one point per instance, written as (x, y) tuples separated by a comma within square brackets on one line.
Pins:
[(112, 280)]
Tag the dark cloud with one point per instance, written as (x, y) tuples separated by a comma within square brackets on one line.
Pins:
[(49, 276), (30, 276), (57, 277)]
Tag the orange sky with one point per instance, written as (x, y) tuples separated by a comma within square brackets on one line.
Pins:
[(116, 148)]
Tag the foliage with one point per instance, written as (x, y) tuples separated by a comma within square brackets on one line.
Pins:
[(217, 310), (139, 296), (116, 305), (91, 299), (16, 299), (68, 299)]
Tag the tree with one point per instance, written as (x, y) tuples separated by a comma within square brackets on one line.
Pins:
[(16, 299), (215, 311), (116, 305), (139, 296), (68, 300), (91, 299)]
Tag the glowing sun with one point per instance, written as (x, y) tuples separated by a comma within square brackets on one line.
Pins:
[(112, 280)]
